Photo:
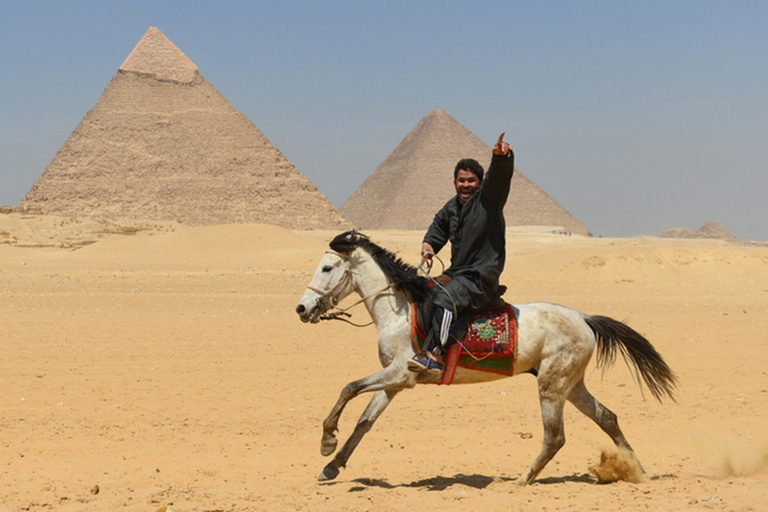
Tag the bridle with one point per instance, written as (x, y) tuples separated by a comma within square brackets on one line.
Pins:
[(330, 298)]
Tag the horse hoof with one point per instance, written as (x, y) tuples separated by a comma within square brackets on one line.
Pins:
[(523, 481), (328, 446), (329, 473)]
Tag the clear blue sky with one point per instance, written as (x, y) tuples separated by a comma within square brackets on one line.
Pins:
[(636, 116)]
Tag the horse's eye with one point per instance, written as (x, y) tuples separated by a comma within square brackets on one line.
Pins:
[(327, 268)]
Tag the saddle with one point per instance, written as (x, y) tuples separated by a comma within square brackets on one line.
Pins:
[(487, 338), (426, 310)]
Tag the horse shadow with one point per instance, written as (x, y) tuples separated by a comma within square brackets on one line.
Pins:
[(476, 481)]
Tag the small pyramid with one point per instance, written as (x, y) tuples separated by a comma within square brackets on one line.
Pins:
[(161, 143), (713, 229), (709, 229), (416, 179)]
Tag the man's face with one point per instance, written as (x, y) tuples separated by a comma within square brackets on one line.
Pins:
[(466, 184)]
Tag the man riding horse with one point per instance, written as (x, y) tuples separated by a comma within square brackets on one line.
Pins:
[(473, 221)]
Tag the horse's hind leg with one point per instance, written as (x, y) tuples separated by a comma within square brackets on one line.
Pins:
[(583, 400), (376, 406), (554, 434)]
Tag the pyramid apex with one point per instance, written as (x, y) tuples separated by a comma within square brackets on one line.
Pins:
[(439, 116), (156, 55), (437, 112)]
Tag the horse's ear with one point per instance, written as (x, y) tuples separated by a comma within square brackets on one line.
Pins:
[(347, 241), (344, 243)]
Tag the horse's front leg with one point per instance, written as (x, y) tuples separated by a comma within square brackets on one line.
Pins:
[(378, 403), (394, 378)]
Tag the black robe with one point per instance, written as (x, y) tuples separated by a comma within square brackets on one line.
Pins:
[(476, 231)]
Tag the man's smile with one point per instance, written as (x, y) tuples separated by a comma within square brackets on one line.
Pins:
[(466, 192)]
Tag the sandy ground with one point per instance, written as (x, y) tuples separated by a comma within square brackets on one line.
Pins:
[(157, 367)]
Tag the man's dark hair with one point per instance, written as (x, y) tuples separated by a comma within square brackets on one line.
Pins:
[(471, 165)]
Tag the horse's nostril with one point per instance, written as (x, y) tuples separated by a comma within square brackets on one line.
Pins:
[(300, 309)]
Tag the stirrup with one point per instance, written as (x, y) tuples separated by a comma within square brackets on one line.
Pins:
[(421, 362)]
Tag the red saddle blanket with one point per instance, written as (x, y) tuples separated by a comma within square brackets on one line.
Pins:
[(490, 344)]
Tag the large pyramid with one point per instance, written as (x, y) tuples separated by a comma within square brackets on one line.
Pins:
[(161, 143), (416, 179)]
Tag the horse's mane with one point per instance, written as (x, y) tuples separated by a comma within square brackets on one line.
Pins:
[(404, 276)]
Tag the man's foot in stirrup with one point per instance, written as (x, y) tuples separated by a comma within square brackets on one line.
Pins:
[(425, 362)]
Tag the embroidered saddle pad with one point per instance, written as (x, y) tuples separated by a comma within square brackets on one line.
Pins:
[(490, 344)]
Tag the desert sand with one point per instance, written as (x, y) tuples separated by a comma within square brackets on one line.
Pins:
[(157, 367)]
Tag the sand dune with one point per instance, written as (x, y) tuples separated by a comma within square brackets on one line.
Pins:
[(159, 365)]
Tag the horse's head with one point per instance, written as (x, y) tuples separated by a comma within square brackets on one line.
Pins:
[(330, 284), (334, 278)]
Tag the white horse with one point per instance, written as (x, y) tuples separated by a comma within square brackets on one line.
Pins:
[(555, 344)]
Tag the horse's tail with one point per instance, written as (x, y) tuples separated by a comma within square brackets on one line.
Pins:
[(637, 351)]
